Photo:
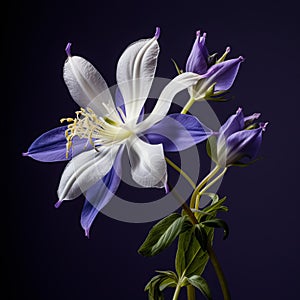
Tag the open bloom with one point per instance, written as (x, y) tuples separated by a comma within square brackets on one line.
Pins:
[(217, 76), (239, 138), (95, 140)]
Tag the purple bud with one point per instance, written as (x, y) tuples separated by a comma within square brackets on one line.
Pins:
[(239, 143)]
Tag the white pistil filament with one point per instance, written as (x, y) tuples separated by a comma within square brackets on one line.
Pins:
[(97, 130)]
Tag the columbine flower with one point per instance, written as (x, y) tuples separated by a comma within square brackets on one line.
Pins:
[(239, 138), (217, 76), (101, 131)]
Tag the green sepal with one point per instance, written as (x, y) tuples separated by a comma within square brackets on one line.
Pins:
[(210, 91), (201, 236), (217, 223), (201, 284), (218, 96), (212, 59), (163, 234), (243, 165), (179, 71)]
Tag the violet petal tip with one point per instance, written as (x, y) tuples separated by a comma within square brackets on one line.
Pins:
[(263, 126), (239, 110), (58, 203), (68, 49), (157, 33), (256, 115), (25, 154), (198, 32), (87, 233), (228, 49), (167, 189)]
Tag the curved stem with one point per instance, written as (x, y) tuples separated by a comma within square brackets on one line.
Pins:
[(177, 291), (219, 272), (191, 293), (188, 106), (180, 171), (202, 184), (197, 202)]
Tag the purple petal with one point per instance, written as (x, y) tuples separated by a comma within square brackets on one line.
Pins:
[(197, 60), (250, 119), (233, 124), (178, 132), (100, 194), (224, 73), (51, 146), (245, 143)]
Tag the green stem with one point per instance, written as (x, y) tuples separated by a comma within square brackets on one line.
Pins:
[(185, 207), (188, 106), (186, 176), (191, 293), (197, 202), (202, 184), (219, 272), (213, 258), (177, 291)]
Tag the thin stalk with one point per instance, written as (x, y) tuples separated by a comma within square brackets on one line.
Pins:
[(180, 171), (191, 293), (219, 272), (188, 106), (177, 291), (184, 206), (197, 202), (202, 184)]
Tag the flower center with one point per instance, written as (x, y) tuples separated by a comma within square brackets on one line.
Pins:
[(97, 130)]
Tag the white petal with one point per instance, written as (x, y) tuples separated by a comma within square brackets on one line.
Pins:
[(135, 73), (87, 86), (178, 84), (148, 165), (84, 170)]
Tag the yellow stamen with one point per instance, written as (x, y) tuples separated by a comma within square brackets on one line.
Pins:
[(97, 130)]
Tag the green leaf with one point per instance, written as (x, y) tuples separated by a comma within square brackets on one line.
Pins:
[(169, 274), (190, 257), (167, 282), (160, 282), (163, 234), (211, 148), (215, 206), (201, 236), (154, 292), (201, 284), (214, 197), (153, 280), (217, 223)]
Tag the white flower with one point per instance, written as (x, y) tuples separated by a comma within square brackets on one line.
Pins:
[(108, 128)]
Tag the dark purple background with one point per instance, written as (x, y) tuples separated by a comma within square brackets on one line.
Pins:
[(46, 254)]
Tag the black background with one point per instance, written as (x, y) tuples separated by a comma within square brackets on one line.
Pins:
[(45, 254)]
